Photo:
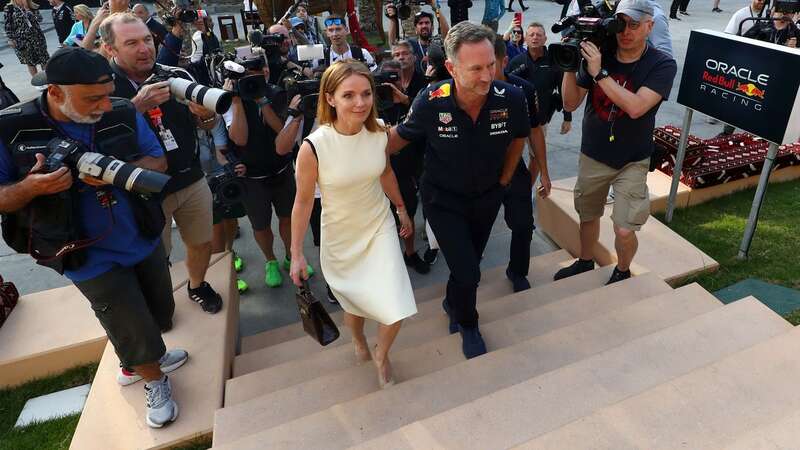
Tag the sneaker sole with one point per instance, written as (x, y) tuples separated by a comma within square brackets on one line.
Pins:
[(172, 419)]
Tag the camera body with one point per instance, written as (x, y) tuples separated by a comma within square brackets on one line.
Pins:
[(404, 7), (295, 83), (595, 23), (227, 188), (185, 13), (72, 154), (384, 94)]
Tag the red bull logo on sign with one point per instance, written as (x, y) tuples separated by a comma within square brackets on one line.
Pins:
[(751, 90)]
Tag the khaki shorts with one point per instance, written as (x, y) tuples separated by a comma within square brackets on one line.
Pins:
[(191, 209), (631, 198)]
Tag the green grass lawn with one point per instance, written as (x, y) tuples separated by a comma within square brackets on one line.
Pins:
[(717, 227)]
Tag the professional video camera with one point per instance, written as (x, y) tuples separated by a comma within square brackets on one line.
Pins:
[(184, 90), (594, 23), (270, 42), (436, 58), (227, 188), (385, 93), (404, 7), (184, 14), (295, 83), (764, 29), (72, 154)]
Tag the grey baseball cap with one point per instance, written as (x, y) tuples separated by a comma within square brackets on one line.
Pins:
[(635, 9)]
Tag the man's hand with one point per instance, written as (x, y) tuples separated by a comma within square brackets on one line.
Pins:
[(391, 11), (592, 56), (406, 224), (240, 170), (791, 42), (47, 183), (566, 126), (397, 94), (201, 112), (151, 95), (295, 102), (544, 189)]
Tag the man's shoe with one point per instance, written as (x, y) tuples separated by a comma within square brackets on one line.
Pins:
[(161, 408), (273, 277), (519, 282), (579, 266), (471, 341), (509, 9), (417, 263), (206, 296), (685, 13), (453, 325), (287, 265), (430, 255), (171, 360), (242, 285), (331, 298), (525, 8), (618, 275), (238, 263), (674, 17), (716, 10)]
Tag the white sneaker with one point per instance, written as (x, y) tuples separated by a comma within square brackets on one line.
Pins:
[(161, 408), (171, 360)]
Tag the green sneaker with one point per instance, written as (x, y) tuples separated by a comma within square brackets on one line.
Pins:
[(287, 265), (273, 277), (242, 285), (238, 263)]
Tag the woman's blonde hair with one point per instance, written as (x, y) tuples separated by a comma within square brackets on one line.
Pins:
[(84, 11), (332, 78), (30, 3)]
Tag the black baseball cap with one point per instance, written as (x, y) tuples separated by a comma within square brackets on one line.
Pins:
[(74, 65)]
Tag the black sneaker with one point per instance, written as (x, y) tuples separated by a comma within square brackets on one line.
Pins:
[(331, 298), (453, 325), (579, 266), (417, 263), (207, 297), (472, 342), (685, 13), (519, 282), (618, 275), (430, 255)]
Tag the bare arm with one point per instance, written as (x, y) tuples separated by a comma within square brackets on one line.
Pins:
[(271, 119), (391, 9), (238, 130), (395, 142), (14, 197), (513, 154), (307, 172), (572, 95), (444, 26), (537, 143), (392, 190), (284, 142)]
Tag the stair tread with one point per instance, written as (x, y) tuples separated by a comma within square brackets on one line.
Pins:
[(272, 378), (782, 434), (694, 410), (269, 410), (423, 294)]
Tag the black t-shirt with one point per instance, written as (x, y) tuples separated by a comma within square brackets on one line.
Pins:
[(463, 157), (417, 83), (63, 19), (545, 76), (420, 51), (610, 136)]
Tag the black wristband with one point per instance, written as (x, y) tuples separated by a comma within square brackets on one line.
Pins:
[(293, 112)]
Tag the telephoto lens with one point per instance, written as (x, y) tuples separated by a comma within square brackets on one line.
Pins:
[(121, 174), (217, 100)]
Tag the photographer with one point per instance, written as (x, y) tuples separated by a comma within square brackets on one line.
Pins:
[(110, 236), (188, 198), (337, 32), (537, 67), (423, 25), (204, 42), (269, 177), (625, 88), (158, 30), (779, 30), (411, 79)]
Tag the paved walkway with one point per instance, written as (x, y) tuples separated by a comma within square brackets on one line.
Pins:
[(264, 308)]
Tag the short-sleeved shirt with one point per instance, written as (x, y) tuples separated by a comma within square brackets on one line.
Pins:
[(610, 136), (123, 245), (530, 96), (463, 157), (738, 18)]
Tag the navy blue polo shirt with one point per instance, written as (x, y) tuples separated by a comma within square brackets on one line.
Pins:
[(461, 156), (530, 96)]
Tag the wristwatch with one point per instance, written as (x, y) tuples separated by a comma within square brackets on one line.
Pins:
[(600, 75), (263, 101), (293, 112)]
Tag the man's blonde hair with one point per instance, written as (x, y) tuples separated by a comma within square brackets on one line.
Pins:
[(107, 27)]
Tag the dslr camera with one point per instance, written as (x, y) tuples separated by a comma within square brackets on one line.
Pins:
[(384, 93), (184, 90), (227, 188), (270, 42), (595, 23), (764, 28), (246, 86), (72, 154), (185, 13), (404, 7)]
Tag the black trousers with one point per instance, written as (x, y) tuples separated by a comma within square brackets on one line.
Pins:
[(678, 4), (462, 227), (518, 212)]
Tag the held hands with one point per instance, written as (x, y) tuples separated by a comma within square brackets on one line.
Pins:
[(151, 95), (47, 183), (406, 225), (566, 126), (591, 54), (298, 270)]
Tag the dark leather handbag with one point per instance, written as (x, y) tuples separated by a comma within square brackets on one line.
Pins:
[(316, 321), (8, 299)]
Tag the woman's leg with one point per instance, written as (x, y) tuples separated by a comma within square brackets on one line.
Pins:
[(356, 326), (386, 337)]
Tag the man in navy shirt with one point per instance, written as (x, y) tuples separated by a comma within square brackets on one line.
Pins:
[(125, 275), (475, 129), (517, 203)]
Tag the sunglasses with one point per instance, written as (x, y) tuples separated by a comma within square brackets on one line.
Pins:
[(334, 21), (516, 31)]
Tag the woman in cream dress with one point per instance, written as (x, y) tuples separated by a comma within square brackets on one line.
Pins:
[(360, 251)]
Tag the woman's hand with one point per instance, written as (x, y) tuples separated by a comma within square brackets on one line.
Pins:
[(298, 270), (406, 225)]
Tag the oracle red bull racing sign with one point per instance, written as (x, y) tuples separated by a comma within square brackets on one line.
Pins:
[(743, 82)]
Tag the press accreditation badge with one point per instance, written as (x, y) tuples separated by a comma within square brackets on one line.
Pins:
[(168, 139)]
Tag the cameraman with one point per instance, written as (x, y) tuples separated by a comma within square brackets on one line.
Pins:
[(423, 25), (269, 178), (625, 89), (780, 30), (412, 80), (204, 43), (118, 262), (337, 32), (188, 198)]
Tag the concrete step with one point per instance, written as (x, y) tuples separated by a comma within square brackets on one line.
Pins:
[(705, 409), (557, 218), (540, 273), (114, 416), (260, 382), (556, 398), (375, 414), (303, 346), (783, 434), (236, 421)]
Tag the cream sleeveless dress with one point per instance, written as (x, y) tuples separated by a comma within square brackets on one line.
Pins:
[(359, 247)]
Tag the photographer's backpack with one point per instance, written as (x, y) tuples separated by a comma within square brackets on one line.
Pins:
[(356, 51)]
